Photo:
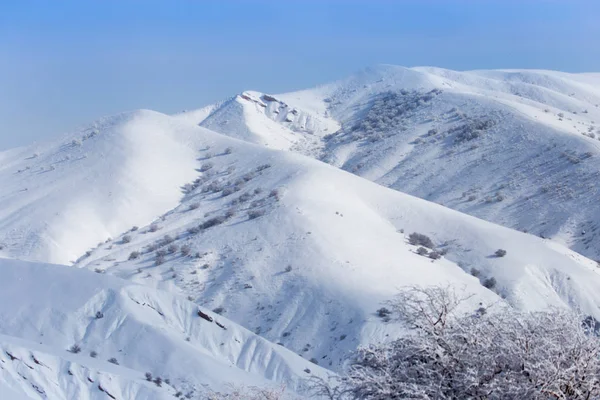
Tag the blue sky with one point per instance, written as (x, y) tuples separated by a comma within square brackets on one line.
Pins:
[(65, 63)]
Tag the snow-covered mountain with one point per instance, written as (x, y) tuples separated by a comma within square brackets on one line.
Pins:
[(518, 148), (231, 208)]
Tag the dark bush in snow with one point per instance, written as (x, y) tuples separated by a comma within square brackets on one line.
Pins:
[(475, 272), (418, 239), (148, 376), (194, 230), (206, 166), (158, 381), (126, 239), (228, 150), (288, 268), (219, 310), (75, 349), (153, 228), (113, 360), (172, 249), (134, 255), (252, 214), (93, 354), (489, 283), (422, 251), (500, 253), (194, 206), (99, 315), (383, 312), (160, 259), (213, 222), (434, 255), (167, 239), (186, 250), (262, 167)]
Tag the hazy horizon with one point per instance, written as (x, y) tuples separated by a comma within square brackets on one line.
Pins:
[(65, 64)]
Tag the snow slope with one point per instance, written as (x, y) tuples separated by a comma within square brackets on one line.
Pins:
[(522, 145), (231, 208), (63, 197), (303, 253), (46, 309)]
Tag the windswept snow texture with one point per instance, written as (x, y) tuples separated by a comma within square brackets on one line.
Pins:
[(46, 310)]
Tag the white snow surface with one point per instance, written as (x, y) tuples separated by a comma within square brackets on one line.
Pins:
[(233, 208)]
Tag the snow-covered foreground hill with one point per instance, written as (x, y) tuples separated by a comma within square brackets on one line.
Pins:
[(68, 333), (518, 148), (293, 256)]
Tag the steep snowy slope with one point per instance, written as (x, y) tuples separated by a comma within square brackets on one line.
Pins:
[(516, 147), (61, 198), (304, 253), (264, 119), (71, 333)]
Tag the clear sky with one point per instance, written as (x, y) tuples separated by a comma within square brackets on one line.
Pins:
[(65, 63)]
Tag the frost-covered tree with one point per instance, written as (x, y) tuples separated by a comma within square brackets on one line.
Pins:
[(496, 354)]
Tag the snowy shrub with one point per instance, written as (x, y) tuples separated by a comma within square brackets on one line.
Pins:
[(274, 193), (489, 283), (194, 206), (158, 381), (228, 150), (172, 249), (206, 166), (148, 376), (288, 268), (75, 349), (500, 355), (262, 167), (219, 310), (422, 251), (186, 250), (167, 239), (418, 239), (383, 312), (475, 272), (99, 315), (227, 191), (113, 360), (160, 259), (212, 222), (193, 230), (252, 214), (153, 227), (134, 228), (434, 255), (134, 255), (93, 354), (126, 239), (500, 253), (229, 213)]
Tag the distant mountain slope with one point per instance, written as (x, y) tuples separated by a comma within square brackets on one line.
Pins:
[(46, 310), (515, 147)]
